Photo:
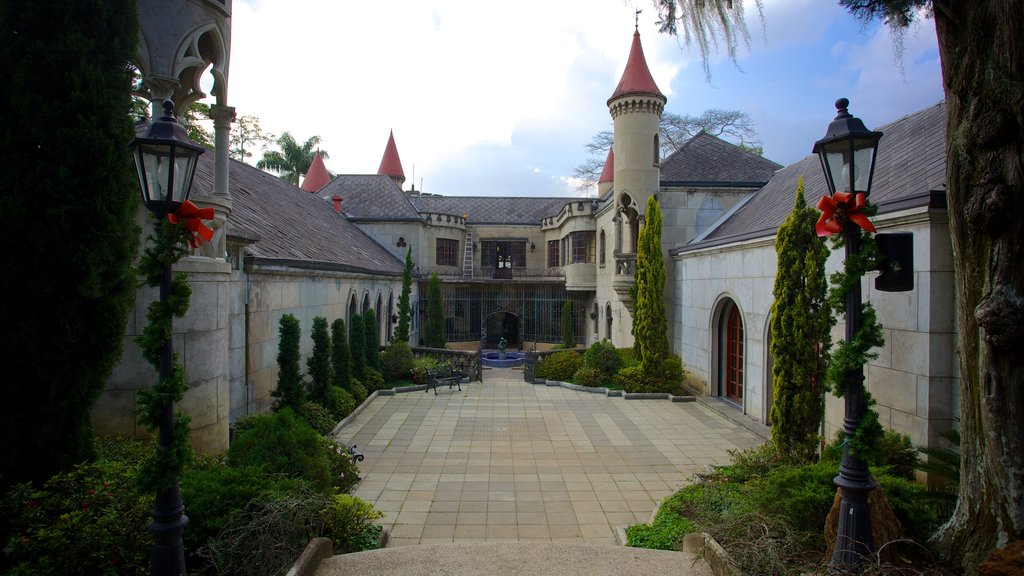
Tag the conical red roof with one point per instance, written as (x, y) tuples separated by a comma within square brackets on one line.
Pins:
[(636, 78), (317, 175), (608, 174), (391, 164)]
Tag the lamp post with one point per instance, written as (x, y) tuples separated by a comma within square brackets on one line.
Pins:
[(847, 154), (166, 162)]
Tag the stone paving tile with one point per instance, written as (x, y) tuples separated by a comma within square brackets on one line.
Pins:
[(507, 460)]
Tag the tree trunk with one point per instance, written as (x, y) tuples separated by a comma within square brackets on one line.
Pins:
[(981, 43)]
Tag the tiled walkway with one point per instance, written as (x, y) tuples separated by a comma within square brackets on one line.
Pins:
[(507, 460)]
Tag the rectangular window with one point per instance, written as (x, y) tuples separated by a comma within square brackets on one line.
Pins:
[(493, 251), (553, 254), (447, 250), (582, 247)]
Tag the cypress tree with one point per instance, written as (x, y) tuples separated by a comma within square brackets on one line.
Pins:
[(357, 347), (319, 365), (69, 196), (341, 357), (800, 329), (290, 392), (404, 307), (650, 327), (435, 314), (372, 341), (568, 334)]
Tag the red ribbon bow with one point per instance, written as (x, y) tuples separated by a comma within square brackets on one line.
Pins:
[(838, 209), (192, 217)]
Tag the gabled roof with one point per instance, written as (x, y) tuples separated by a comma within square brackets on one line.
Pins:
[(608, 174), (370, 196), (493, 209), (317, 175), (293, 227), (390, 163), (636, 78), (708, 159), (910, 170)]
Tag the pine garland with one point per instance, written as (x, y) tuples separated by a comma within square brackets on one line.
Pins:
[(162, 469)]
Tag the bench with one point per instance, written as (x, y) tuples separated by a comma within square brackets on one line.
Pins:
[(440, 375)]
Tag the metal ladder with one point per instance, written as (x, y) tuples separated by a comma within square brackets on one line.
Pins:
[(467, 260)]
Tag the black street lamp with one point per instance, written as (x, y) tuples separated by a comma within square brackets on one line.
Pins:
[(847, 154), (166, 162)]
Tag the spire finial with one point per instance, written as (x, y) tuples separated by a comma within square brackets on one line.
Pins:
[(636, 25)]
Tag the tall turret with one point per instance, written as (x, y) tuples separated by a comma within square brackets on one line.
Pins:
[(390, 163), (636, 107)]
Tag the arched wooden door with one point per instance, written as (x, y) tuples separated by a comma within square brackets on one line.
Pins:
[(734, 355)]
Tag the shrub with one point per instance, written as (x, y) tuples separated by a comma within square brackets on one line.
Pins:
[(319, 366), (357, 346), (340, 402), (670, 376), (318, 417), (89, 520), (374, 380), (341, 357), (397, 362), (559, 366), (421, 365), (359, 392), (372, 340), (348, 522), (603, 357), (919, 513), (281, 443), (803, 494), (896, 453), (592, 377), (634, 379), (290, 391), (628, 356), (667, 529)]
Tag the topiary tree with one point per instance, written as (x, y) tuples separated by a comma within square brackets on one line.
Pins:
[(650, 328), (801, 321), (69, 286), (357, 346), (290, 391), (404, 306), (341, 357), (321, 371), (435, 314), (372, 341), (568, 334)]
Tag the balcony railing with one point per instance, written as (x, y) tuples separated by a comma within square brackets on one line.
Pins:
[(489, 273)]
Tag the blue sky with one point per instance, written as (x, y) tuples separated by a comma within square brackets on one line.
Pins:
[(489, 98)]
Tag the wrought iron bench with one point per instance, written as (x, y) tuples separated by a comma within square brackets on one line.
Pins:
[(440, 375)]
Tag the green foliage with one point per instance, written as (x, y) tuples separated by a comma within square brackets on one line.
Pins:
[(753, 463), (592, 377), (404, 306), (559, 366), (282, 443), (629, 357), (894, 453), (372, 341), (341, 356), (292, 159), (357, 346), (340, 402), (374, 380), (568, 332), (670, 374), (318, 417), (918, 513), (421, 365), (359, 392), (397, 361), (88, 520), (667, 529), (801, 321), (603, 357), (435, 314), (650, 327), (321, 370), (349, 524), (290, 391), (634, 379), (943, 462), (803, 494), (69, 196)]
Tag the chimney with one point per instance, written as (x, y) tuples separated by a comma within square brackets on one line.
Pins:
[(337, 203)]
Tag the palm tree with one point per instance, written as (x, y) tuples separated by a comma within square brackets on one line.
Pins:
[(293, 159)]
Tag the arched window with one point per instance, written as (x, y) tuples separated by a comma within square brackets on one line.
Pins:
[(601, 249), (608, 322), (657, 150), (387, 315), (366, 303), (351, 311)]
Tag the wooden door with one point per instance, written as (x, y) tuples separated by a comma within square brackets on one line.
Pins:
[(734, 355)]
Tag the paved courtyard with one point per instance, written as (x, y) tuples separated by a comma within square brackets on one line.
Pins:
[(508, 460)]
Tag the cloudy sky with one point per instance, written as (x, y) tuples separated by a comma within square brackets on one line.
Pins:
[(498, 98)]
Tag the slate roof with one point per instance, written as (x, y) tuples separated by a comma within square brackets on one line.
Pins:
[(493, 209), (910, 170), (293, 227), (370, 197), (707, 159)]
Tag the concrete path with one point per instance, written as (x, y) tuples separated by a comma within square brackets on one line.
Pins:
[(510, 461)]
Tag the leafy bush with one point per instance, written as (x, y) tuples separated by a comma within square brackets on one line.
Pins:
[(318, 417), (667, 529), (604, 358), (374, 380), (397, 362), (421, 365), (634, 379), (349, 524), (628, 356), (282, 443), (896, 453), (752, 463), (339, 402), (592, 377), (359, 392), (91, 519), (803, 494), (917, 511), (559, 366)]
